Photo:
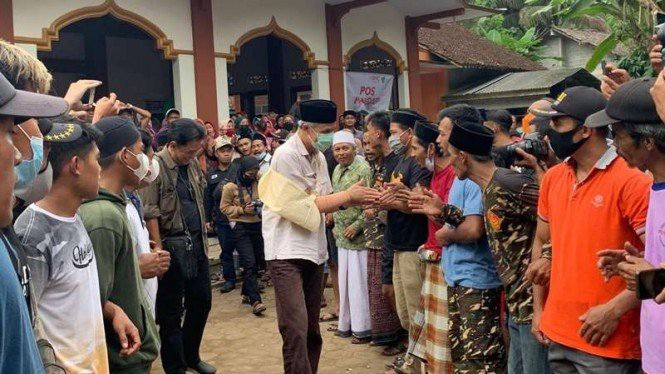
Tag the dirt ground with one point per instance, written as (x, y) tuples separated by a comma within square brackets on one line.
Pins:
[(235, 341)]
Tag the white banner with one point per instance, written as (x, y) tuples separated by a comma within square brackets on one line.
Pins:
[(368, 91)]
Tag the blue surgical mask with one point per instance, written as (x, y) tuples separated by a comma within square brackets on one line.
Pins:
[(27, 170), (260, 156)]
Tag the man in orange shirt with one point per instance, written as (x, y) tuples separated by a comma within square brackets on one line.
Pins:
[(590, 202)]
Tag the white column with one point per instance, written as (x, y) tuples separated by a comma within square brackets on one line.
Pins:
[(184, 87), (221, 73), (31, 48), (320, 83), (403, 89)]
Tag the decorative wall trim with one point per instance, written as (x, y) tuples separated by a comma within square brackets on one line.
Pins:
[(272, 29), (108, 7), (400, 64)]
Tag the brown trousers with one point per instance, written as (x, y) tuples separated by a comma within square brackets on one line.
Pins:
[(298, 297)]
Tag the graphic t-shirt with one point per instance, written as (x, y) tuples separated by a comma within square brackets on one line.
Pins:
[(66, 288), (406, 232), (511, 201), (652, 316)]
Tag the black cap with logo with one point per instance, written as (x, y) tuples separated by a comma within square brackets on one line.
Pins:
[(632, 102), (578, 102)]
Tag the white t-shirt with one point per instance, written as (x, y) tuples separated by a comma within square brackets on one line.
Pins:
[(66, 288), (141, 241)]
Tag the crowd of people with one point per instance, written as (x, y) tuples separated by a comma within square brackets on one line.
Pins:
[(468, 244)]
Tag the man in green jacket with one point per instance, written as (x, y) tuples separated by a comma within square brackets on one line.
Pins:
[(105, 220)]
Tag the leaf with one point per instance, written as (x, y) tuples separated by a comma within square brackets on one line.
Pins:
[(494, 36), (605, 47)]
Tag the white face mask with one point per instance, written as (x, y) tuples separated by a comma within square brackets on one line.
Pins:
[(38, 188), (153, 172), (144, 165), (429, 163)]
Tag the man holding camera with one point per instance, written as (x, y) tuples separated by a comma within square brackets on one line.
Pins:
[(509, 201), (240, 203), (590, 202)]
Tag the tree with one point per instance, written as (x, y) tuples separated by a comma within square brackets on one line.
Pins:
[(524, 42)]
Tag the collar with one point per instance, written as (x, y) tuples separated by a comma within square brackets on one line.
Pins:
[(168, 160), (300, 146), (603, 162)]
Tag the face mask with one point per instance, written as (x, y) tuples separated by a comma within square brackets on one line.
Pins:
[(429, 164), (154, 171), (288, 126), (324, 141), (260, 156), (27, 170), (396, 144), (562, 143), (144, 165), (39, 187)]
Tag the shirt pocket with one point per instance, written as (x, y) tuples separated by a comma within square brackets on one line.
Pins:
[(167, 207)]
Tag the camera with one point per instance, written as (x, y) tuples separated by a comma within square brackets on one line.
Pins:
[(258, 206), (532, 144)]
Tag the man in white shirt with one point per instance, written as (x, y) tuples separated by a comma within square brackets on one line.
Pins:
[(61, 257), (296, 192), (260, 151)]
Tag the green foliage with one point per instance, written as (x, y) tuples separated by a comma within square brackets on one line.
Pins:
[(524, 42)]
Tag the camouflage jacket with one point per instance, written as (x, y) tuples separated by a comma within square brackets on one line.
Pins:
[(376, 225), (510, 202), (343, 178)]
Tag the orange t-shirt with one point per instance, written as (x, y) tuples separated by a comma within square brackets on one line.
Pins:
[(604, 211)]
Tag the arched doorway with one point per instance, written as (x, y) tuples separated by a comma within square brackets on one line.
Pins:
[(118, 53), (269, 74), (372, 59)]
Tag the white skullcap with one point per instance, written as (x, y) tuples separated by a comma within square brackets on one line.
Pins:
[(343, 137)]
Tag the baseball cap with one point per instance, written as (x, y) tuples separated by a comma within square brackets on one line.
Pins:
[(222, 141), (118, 132), (578, 102), (632, 102), (19, 103), (55, 132)]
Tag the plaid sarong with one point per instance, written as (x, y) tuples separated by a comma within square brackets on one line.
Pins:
[(429, 339)]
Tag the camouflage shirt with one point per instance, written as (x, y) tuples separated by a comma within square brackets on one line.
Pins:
[(343, 178), (376, 225), (510, 202)]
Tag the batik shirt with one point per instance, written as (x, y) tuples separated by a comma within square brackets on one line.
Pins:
[(343, 178), (510, 202), (375, 226)]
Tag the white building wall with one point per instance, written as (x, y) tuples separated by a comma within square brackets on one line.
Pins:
[(304, 18), (184, 86), (361, 23), (222, 84), (173, 17)]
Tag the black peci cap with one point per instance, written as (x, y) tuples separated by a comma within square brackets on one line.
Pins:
[(406, 117), (472, 138), (426, 132), (318, 111), (577, 102), (632, 102)]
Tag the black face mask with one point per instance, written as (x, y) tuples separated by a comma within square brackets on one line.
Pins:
[(562, 142), (288, 126)]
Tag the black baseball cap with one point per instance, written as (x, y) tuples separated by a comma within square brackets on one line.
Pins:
[(117, 132), (18, 103), (632, 102), (55, 132), (578, 102)]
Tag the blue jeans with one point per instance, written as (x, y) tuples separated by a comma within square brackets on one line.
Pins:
[(526, 355), (226, 240)]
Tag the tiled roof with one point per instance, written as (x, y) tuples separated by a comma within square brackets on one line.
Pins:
[(461, 47)]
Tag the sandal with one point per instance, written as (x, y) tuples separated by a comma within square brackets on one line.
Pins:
[(393, 350), (328, 317), (397, 362), (356, 340), (332, 327)]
